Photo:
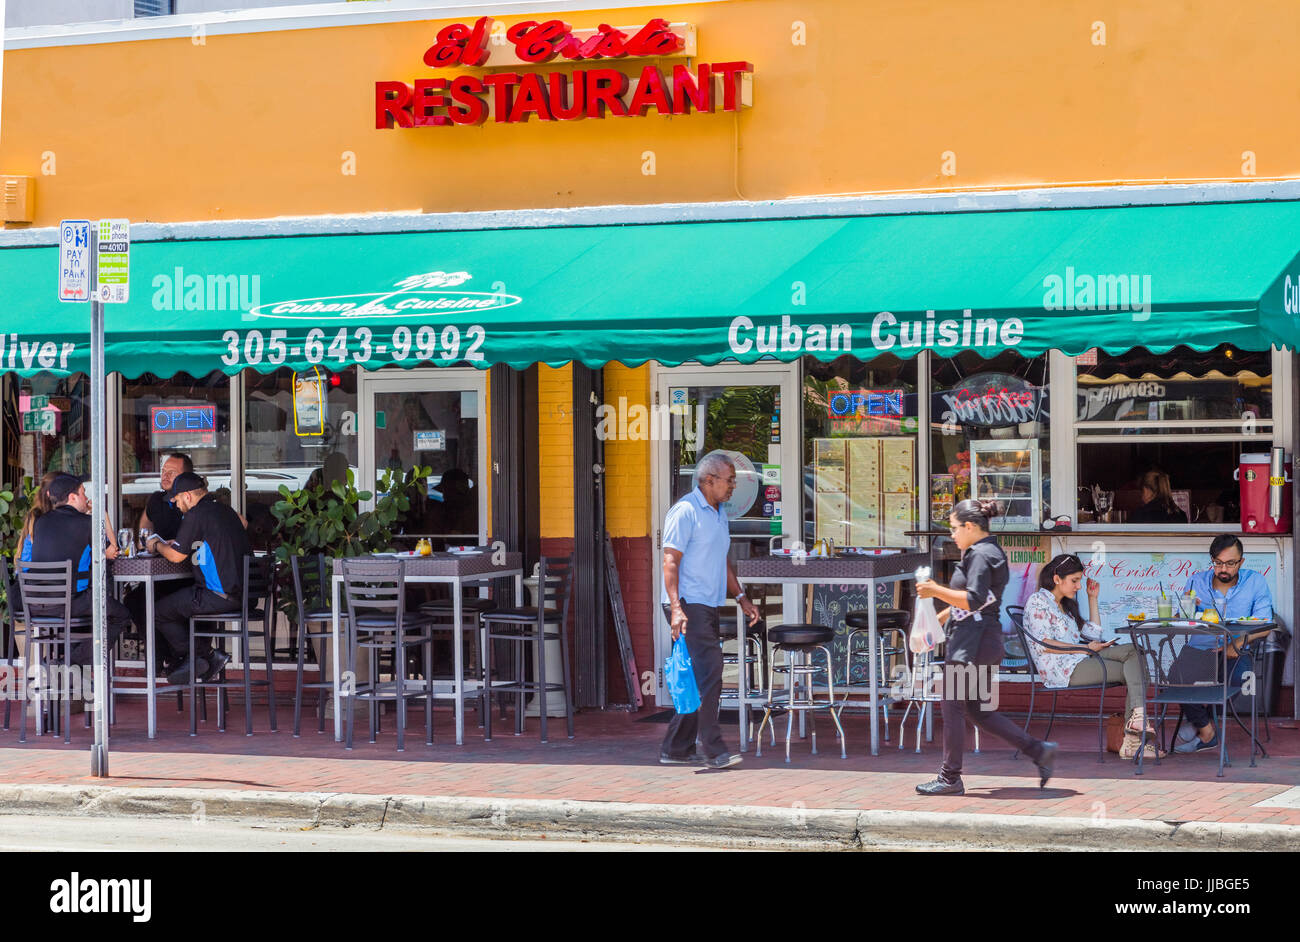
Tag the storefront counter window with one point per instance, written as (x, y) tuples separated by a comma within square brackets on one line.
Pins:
[(859, 451), (160, 417), (299, 429), (1160, 435), (989, 437)]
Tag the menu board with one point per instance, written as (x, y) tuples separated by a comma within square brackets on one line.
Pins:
[(864, 493), (898, 462), (828, 459)]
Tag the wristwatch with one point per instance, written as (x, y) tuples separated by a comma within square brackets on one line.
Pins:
[(740, 596)]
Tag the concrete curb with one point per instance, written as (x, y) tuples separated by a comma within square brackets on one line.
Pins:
[(717, 826)]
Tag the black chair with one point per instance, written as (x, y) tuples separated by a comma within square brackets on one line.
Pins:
[(521, 626), (1171, 678), (378, 621), (257, 602), (310, 576), (1027, 644), (52, 630), (13, 615)]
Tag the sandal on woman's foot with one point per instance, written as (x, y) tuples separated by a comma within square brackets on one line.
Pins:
[(1129, 748), (1135, 721)]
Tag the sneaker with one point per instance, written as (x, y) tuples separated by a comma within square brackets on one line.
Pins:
[(217, 660), (182, 674), (692, 759), (939, 787), (724, 761), (1196, 745), (1046, 762)]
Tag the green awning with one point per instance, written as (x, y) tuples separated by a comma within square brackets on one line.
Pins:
[(1027, 280)]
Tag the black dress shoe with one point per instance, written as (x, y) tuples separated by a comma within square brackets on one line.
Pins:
[(182, 674), (1046, 761), (693, 759), (217, 660), (940, 787)]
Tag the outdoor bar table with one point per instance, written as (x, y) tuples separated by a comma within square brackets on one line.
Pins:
[(150, 570), (869, 570), (455, 570)]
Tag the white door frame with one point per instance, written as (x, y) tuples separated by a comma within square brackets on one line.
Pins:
[(784, 375), (436, 379)]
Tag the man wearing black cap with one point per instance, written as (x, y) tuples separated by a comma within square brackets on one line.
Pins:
[(65, 534), (213, 538), (161, 516)]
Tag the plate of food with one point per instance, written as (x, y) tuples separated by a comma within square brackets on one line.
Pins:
[(1247, 620), (1137, 617)]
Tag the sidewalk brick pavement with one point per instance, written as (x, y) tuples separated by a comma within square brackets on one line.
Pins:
[(615, 759)]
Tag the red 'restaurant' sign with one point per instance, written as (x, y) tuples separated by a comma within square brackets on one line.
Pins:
[(512, 97)]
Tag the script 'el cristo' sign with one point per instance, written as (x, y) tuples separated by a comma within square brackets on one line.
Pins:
[(510, 97)]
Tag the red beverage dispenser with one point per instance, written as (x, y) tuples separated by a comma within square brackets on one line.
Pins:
[(1265, 493)]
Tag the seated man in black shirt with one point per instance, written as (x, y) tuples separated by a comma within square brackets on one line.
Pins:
[(212, 537), (161, 517), (65, 533)]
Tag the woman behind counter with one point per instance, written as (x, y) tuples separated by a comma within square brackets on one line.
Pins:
[(975, 637), (1157, 501)]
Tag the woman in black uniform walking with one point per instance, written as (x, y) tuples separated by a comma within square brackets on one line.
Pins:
[(975, 638)]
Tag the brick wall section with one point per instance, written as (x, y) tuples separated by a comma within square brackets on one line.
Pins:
[(627, 463), (640, 593), (555, 450)]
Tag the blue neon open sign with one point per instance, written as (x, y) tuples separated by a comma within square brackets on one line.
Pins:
[(852, 404), (189, 426)]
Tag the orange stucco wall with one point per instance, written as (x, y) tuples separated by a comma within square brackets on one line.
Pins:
[(849, 96)]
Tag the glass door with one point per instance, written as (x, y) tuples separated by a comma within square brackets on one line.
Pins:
[(750, 413), (435, 419)]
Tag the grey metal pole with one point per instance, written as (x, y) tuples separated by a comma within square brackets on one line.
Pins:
[(98, 574)]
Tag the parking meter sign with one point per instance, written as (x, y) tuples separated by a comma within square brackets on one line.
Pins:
[(74, 260)]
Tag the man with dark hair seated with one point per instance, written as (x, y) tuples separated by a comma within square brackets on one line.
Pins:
[(1232, 592)]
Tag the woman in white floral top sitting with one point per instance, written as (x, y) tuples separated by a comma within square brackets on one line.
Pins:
[(1061, 640)]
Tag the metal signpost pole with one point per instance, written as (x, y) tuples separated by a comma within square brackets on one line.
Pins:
[(99, 577)]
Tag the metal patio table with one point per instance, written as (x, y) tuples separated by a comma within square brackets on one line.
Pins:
[(150, 570), (455, 570), (869, 571)]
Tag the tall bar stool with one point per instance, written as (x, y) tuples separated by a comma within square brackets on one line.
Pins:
[(311, 591), (535, 625), (891, 624), (798, 643), (754, 660), (375, 590), (256, 603), (12, 619), (52, 630)]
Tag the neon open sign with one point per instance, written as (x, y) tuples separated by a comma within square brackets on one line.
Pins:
[(866, 402), (191, 426)]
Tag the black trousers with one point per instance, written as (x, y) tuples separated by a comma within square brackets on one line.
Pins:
[(955, 714), (704, 647), (136, 604), (118, 621), (173, 613)]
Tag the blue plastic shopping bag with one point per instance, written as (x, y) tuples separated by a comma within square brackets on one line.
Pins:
[(679, 675)]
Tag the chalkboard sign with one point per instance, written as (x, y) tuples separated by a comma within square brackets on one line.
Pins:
[(830, 603)]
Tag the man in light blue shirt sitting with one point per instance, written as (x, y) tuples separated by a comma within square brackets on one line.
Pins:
[(1233, 592), (697, 578)]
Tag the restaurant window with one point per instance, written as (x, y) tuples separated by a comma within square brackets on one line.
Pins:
[(859, 451), (299, 429), (161, 416), (989, 437), (47, 422), (1186, 415)]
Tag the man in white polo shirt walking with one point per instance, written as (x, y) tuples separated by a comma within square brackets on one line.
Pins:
[(698, 577)]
